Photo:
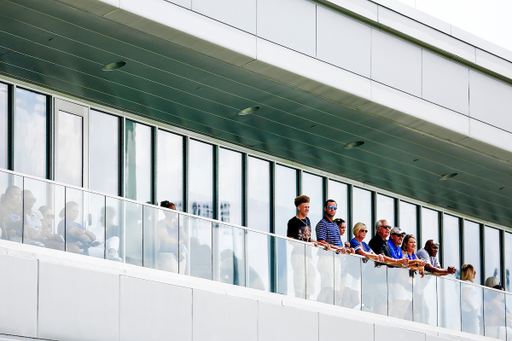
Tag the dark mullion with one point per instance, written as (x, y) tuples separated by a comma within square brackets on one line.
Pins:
[(374, 213), (482, 253), (418, 223), (216, 207), (272, 177), (503, 262), (462, 244), (121, 151), (154, 166), (397, 211), (185, 173), (350, 204), (273, 240), (10, 126), (245, 167), (50, 114), (441, 239)]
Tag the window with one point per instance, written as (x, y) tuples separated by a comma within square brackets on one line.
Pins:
[(362, 210), (70, 149), (508, 261), (200, 179), (429, 227), (339, 192), (492, 253), (138, 161), (258, 194), (451, 244), (472, 247), (170, 168), (386, 209), (30, 133), (104, 152), (3, 125), (285, 194), (312, 187), (230, 186), (408, 218)]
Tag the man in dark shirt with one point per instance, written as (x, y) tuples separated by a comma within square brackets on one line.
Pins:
[(299, 227), (380, 245)]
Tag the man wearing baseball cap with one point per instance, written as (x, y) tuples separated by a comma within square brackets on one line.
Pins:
[(396, 236), (429, 254)]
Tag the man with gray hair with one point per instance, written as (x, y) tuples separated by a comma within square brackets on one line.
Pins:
[(380, 245)]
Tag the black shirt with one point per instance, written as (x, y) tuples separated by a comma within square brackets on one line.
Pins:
[(299, 229), (380, 246)]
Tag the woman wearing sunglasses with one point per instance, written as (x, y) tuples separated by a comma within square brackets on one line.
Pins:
[(360, 247)]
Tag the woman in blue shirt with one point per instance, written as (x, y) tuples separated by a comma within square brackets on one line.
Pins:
[(360, 247), (409, 248)]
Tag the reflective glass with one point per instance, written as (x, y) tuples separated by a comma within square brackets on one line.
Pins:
[(11, 207), (425, 299), (429, 227), (400, 293), (386, 209), (313, 188), (228, 254), (362, 210), (472, 308), (42, 201), (291, 268), (322, 285), (508, 263), (258, 262), (162, 239), (451, 244), (448, 302), (374, 287), (492, 253), (170, 168), (347, 281), (81, 223), (196, 247), (408, 218), (124, 229), (230, 186), (3, 125), (104, 152), (200, 179), (339, 192), (258, 194), (138, 162), (69, 149), (494, 314), (472, 247), (30, 133), (285, 193)]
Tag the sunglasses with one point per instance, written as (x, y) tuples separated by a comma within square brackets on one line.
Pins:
[(386, 227), (363, 231), (332, 207)]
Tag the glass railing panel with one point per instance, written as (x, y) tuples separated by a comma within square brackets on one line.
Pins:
[(374, 287), (448, 303), (11, 206), (322, 284), (425, 299), (258, 260), (161, 239), (472, 308), (508, 315), (347, 281), (228, 254), (42, 201), (400, 293), (196, 247), (81, 223), (494, 314), (291, 267)]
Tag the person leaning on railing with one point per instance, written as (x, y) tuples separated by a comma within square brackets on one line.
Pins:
[(409, 248), (360, 247), (429, 254), (380, 246)]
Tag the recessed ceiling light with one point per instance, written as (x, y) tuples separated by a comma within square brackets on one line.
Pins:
[(247, 111), (354, 144), (113, 66), (447, 176)]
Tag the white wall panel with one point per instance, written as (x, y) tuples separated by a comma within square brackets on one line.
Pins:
[(183, 3), (18, 298), (77, 304), (490, 100), (224, 318), (331, 327), (445, 83), (277, 322), (396, 63), (291, 23), (343, 42), (494, 63), (238, 13), (490, 134), (383, 333), (154, 311)]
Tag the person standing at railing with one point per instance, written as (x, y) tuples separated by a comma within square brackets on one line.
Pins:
[(343, 227), (380, 246), (299, 227), (470, 303), (10, 213), (395, 242), (409, 248), (429, 254)]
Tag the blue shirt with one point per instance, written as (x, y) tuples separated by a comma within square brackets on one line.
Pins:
[(328, 231), (354, 243), (396, 251), (412, 257)]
